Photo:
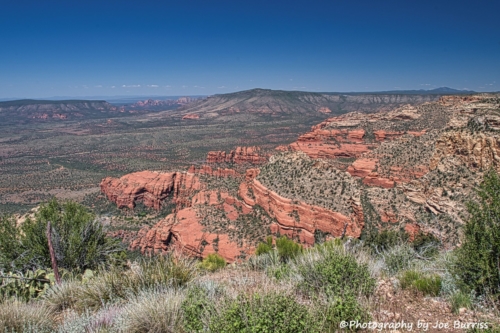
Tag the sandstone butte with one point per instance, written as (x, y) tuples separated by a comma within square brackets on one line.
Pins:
[(241, 155), (152, 188)]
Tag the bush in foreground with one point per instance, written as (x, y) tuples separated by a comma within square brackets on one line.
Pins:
[(263, 313), (334, 272), (79, 240), (16, 316), (478, 265)]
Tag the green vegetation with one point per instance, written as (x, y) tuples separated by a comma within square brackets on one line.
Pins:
[(286, 248), (213, 262), (334, 273), (460, 300), (478, 258), (79, 240), (298, 177), (429, 285), (265, 247)]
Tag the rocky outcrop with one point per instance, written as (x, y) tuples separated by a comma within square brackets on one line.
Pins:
[(241, 155), (362, 167), (476, 150), (153, 188), (324, 143), (191, 116), (299, 219), (183, 232), (147, 186)]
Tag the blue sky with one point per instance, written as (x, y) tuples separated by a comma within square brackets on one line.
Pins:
[(191, 47)]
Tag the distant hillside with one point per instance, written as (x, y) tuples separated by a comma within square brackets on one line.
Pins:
[(276, 103), (28, 110), (436, 91)]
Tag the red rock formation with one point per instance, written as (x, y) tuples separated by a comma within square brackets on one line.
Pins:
[(183, 232), (240, 155), (283, 148), (412, 230), (324, 109), (191, 116), (299, 219), (374, 180), (362, 167), (146, 186), (334, 143), (152, 188), (382, 135)]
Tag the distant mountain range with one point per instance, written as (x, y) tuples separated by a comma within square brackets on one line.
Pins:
[(436, 91), (121, 100), (254, 102)]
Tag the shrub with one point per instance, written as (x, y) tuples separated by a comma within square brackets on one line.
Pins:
[(62, 296), (426, 244), (384, 240), (459, 300), (155, 311), (10, 243), (266, 247), (264, 261), (478, 257), (16, 316), (428, 285), (194, 307), (213, 262), (113, 285), (264, 313), (398, 258), (78, 238), (102, 321), (199, 304), (287, 248), (336, 273), (337, 309)]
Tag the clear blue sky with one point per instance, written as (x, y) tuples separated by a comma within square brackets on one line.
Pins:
[(91, 48)]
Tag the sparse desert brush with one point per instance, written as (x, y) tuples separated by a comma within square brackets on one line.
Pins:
[(213, 262), (63, 296), (105, 320), (262, 261), (155, 311), (333, 271), (459, 300), (427, 284), (398, 258), (269, 312), (17, 316), (114, 285)]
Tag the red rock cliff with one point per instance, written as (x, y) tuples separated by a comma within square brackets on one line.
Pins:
[(299, 218)]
